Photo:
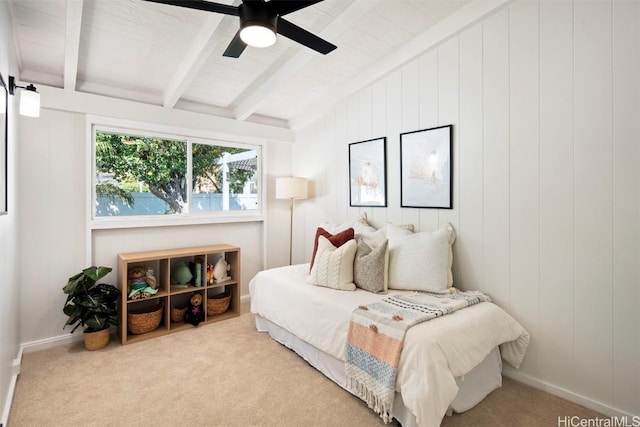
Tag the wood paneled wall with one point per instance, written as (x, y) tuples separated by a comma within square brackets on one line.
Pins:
[(9, 270), (53, 231), (544, 97)]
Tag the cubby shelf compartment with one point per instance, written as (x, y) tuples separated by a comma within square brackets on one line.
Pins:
[(161, 262)]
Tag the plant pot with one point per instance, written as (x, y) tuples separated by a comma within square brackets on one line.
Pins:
[(97, 340)]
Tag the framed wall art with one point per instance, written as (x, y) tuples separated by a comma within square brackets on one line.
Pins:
[(425, 168), (368, 173), (4, 118)]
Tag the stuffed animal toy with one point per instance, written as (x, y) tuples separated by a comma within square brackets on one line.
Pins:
[(195, 311), (209, 277), (150, 279), (141, 283), (220, 271)]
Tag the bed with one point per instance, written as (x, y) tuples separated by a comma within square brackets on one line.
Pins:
[(447, 364)]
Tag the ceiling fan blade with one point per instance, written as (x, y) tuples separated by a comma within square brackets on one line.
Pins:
[(282, 7), (201, 5), (302, 36), (236, 47)]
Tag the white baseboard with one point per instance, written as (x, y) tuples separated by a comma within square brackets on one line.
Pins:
[(51, 342), (579, 399), (7, 404), (68, 338), (17, 363), (15, 371), (15, 366)]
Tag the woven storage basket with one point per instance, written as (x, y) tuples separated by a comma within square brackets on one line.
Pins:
[(218, 304), (144, 321), (177, 313)]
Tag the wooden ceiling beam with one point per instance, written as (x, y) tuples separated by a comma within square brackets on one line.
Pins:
[(194, 59), (72, 43)]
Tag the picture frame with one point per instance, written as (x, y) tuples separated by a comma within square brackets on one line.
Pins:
[(4, 120), (368, 173), (426, 168)]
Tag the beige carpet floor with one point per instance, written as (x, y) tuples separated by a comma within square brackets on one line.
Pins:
[(222, 374)]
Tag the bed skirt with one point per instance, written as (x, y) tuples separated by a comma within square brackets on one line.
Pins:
[(473, 387)]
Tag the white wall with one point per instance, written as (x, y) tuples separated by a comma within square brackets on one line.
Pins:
[(544, 98), (277, 216), (107, 244), (52, 174), (9, 288)]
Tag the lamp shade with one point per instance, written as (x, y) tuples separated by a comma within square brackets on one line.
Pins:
[(291, 187), (30, 103)]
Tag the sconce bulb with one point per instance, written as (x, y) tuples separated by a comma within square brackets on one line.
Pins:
[(30, 102)]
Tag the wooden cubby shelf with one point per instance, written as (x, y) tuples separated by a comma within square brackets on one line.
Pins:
[(169, 295)]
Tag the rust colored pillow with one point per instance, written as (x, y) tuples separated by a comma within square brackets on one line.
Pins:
[(336, 240)]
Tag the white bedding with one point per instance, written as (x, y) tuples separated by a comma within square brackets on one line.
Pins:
[(434, 352)]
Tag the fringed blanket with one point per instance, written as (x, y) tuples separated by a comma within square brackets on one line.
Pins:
[(376, 336)]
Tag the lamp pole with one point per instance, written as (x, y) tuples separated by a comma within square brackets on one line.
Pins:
[(290, 230), (291, 188)]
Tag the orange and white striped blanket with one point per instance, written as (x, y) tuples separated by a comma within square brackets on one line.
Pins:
[(376, 336)]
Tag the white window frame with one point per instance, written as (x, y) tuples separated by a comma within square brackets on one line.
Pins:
[(190, 136)]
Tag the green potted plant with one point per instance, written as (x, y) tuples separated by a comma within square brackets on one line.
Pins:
[(91, 305)]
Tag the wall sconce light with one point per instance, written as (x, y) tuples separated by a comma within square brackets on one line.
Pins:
[(29, 98)]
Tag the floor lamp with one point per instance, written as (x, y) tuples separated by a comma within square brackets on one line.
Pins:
[(291, 187)]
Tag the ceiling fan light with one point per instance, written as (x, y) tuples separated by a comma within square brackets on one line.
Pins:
[(257, 35), (257, 24)]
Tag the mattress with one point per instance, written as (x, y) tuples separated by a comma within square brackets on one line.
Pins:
[(435, 353)]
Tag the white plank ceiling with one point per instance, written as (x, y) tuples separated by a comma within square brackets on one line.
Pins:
[(172, 56)]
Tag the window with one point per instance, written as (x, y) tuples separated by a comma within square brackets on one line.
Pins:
[(139, 174), (224, 178)]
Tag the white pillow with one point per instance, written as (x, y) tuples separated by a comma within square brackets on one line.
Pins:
[(421, 261), (373, 238), (360, 225), (408, 227), (333, 267)]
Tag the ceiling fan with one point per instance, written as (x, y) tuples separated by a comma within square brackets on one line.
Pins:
[(260, 20)]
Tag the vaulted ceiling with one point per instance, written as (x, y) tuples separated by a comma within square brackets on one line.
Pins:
[(172, 56)]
